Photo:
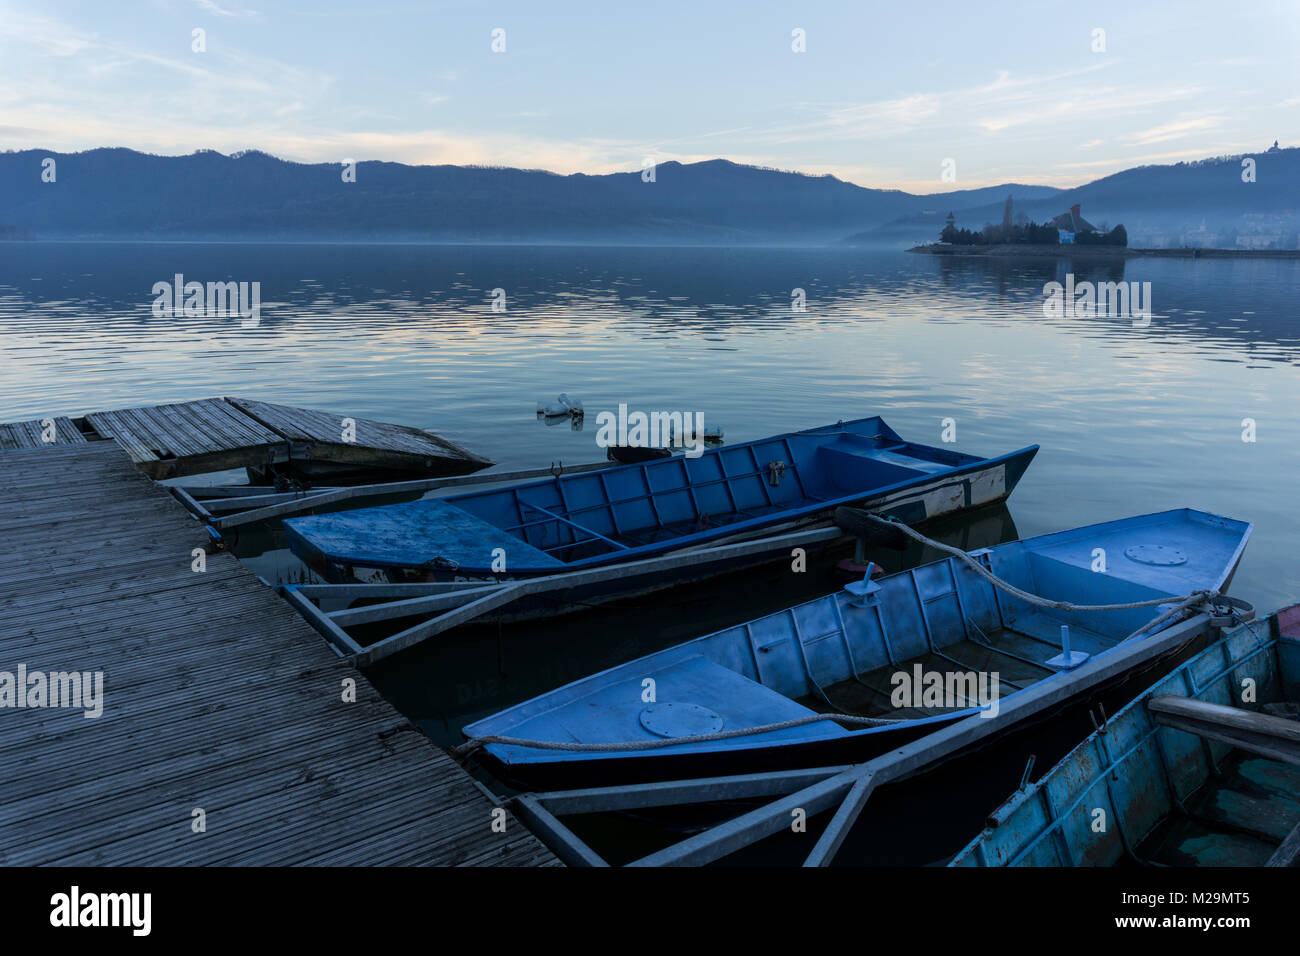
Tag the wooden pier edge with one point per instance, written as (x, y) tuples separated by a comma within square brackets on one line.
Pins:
[(216, 434), (218, 701)]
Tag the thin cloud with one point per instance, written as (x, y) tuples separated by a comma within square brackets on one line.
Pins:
[(1175, 130), (208, 6)]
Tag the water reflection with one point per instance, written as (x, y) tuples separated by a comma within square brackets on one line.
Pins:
[(68, 290), (1129, 418)]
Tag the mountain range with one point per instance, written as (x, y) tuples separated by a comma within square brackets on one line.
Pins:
[(116, 193)]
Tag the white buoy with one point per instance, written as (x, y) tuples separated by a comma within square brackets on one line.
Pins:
[(563, 406)]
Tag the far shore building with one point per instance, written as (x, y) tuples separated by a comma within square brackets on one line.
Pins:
[(1265, 230), (1069, 224)]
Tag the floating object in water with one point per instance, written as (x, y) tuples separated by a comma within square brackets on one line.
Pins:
[(561, 407), (1186, 774), (627, 512), (634, 454), (875, 651), (711, 436), (575, 422)]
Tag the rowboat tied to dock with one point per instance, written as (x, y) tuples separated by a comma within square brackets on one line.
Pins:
[(879, 663), (624, 513)]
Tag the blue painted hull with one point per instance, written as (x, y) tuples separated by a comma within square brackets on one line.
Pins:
[(833, 655), (1169, 797), (644, 510)]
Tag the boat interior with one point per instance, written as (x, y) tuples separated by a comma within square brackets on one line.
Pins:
[(585, 515), (838, 654), (549, 524), (1175, 794), (1240, 816)]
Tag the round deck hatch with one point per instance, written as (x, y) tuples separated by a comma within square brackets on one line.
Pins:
[(680, 720), (1156, 554)]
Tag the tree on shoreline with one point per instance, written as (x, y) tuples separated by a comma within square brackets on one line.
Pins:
[(1021, 232)]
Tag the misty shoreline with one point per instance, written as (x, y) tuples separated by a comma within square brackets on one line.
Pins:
[(1073, 251)]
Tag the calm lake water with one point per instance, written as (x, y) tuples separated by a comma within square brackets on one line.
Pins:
[(1130, 419)]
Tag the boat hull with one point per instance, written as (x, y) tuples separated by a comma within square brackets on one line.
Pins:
[(837, 654), (581, 772), (967, 490)]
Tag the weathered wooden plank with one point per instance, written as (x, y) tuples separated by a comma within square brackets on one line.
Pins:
[(186, 437), (216, 694), (313, 425), (214, 434), (144, 823), (381, 444), (1274, 737), (30, 434)]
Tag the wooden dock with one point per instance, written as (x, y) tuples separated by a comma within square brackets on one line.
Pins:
[(217, 698), (214, 434)]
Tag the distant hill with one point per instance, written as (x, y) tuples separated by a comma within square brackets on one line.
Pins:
[(123, 194), (1197, 203), (120, 193)]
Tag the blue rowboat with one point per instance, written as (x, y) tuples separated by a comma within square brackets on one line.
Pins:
[(576, 521), (1201, 769), (874, 650)]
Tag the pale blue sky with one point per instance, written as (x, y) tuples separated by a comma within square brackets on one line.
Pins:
[(1012, 91)]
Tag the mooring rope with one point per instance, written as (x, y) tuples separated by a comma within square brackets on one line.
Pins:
[(1011, 588), (1204, 598)]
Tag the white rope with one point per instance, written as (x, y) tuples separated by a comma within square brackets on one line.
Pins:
[(1015, 591)]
